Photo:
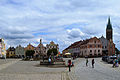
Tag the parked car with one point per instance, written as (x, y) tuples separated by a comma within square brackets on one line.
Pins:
[(111, 58), (105, 58)]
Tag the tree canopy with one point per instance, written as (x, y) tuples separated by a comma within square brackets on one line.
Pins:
[(29, 53), (54, 51)]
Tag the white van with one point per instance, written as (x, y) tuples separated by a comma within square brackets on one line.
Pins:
[(111, 58)]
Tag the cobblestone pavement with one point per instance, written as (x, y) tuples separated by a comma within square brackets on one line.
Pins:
[(4, 63), (102, 71), (42, 76), (28, 70)]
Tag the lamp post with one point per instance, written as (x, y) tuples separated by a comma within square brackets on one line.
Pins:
[(40, 52), (52, 56)]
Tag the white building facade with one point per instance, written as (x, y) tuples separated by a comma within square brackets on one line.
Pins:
[(2, 49)]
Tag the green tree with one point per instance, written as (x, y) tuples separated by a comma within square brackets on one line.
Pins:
[(49, 52), (30, 53), (54, 51)]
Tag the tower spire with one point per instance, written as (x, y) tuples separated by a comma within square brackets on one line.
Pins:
[(109, 33), (109, 26)]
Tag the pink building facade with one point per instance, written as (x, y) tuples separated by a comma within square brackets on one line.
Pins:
[(89, 47)]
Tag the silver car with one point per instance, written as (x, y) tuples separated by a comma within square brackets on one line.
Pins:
[(111, 58)]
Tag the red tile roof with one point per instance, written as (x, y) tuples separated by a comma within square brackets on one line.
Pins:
[(79, 43)]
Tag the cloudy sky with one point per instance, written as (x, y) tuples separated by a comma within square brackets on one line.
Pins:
[(62, 21)]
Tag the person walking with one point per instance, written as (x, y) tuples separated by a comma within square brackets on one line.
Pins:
[(113, 63), (93, 62), (49, 60), (69, 65), (86, 61), (116, 63)]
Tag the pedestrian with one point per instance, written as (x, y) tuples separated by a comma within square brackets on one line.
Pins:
[(116, 63), (113, 63), (49, 60), (93, 62), (86, 61), (69, 65)]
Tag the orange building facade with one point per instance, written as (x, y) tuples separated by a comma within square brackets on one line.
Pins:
[(29, 47)]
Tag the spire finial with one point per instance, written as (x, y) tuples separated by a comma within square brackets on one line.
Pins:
[(109, 26), (109, 20), (40, 41)]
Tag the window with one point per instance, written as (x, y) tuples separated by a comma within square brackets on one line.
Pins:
[(95, 41), (95, 45), (98, 50), (103, 47), (90, 46), (98, 46), (95, 51), (90, 50)]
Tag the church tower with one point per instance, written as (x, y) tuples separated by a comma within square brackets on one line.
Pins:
[(109, 35)]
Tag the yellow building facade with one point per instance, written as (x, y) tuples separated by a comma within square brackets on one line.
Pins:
[(11, 52)]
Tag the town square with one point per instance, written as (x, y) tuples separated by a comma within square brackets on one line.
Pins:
[(59, 40)]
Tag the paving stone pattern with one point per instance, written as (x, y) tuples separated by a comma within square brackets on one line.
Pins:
[(27, 70), (102, 71)]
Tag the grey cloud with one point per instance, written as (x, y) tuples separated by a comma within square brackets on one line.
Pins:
[(75, 33), (17, 32), (31, 16), (16, 35), (16, 42)]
